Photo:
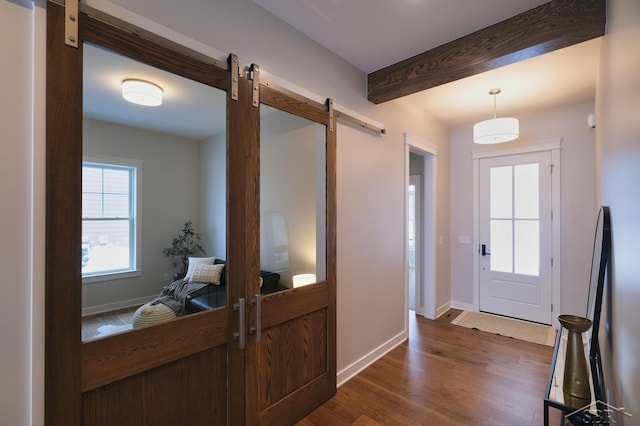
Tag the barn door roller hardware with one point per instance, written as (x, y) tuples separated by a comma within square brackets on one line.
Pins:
[(71, 23)]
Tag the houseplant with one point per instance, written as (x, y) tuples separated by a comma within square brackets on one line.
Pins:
[(186, 244)]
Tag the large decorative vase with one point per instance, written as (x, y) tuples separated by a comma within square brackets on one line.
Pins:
[(575, 387)]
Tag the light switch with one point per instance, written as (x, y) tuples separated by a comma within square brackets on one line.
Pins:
[(464, 239)]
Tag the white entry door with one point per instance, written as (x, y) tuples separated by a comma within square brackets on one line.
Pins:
[(515, 236)]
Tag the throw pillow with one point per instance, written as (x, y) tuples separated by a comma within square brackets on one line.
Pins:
[(206, 273), (193, 261)]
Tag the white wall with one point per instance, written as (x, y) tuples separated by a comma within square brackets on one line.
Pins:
[(170, 195), (618, 165), (371, 268), (577, 200), (15, 214)]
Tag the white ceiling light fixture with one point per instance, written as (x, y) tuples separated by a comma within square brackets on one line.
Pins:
[(141, 92), (496, 130)]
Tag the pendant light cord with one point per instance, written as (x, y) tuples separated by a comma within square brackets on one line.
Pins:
[(494, 92)]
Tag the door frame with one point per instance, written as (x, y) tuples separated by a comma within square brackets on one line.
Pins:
[(428, 231), (554, 145)]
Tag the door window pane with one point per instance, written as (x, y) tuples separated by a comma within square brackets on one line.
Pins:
[(292, 197), (526, 191), (501, 245), (527, 247), (501, 192)]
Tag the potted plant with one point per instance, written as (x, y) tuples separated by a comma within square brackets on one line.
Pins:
[(186, 244)]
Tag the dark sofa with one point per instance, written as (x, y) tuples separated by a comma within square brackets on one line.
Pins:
[(214, 296)]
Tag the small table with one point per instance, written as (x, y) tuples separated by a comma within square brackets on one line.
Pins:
[(554, 396)]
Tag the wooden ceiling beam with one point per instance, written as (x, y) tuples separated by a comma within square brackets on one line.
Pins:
[(548, 27)]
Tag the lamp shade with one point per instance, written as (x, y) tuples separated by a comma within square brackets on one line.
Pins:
[(141, 92), (303, 279), (496, 130)]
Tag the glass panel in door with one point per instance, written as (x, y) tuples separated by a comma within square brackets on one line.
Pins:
[(154, 196), (514, 219), (292, 199)]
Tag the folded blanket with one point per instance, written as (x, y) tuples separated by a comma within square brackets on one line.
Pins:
[(175, 294)]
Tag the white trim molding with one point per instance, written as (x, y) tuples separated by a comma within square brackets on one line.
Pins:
[(418, 143), (121, 304), (442, 309), (463, 306), (427, 289), (353, 369), (524, 148)]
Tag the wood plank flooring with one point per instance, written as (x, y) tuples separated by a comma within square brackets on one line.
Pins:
[(91, 323), (445, 375)]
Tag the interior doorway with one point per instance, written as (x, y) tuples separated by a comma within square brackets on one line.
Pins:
[(420, 231)]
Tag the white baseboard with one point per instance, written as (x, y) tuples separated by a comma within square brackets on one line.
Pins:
[(347, 373), (463, 306), (442, 309), (91, 310)]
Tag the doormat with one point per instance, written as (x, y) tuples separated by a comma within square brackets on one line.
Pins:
[(517, 329)]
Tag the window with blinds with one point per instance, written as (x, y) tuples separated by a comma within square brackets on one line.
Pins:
[(109, 222)]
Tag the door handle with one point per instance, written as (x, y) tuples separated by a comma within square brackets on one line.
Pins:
[(483, 250), (257, 328), (239, 335)]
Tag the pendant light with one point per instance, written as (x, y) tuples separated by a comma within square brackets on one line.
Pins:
[(496, 130)]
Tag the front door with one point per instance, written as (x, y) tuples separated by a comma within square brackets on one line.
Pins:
[(515, 236)]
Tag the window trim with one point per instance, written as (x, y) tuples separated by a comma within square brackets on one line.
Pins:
[(137, 216)]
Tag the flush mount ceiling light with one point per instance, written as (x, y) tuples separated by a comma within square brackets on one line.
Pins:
[(496, 130), (141, 92)]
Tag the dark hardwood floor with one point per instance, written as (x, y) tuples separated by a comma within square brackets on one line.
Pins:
[(445, 375)]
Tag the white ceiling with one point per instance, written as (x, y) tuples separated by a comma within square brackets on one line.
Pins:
[(189, 109), (371, 34)]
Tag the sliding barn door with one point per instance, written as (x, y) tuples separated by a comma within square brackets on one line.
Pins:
[(256, 178), (291, 352), (171, 373)]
